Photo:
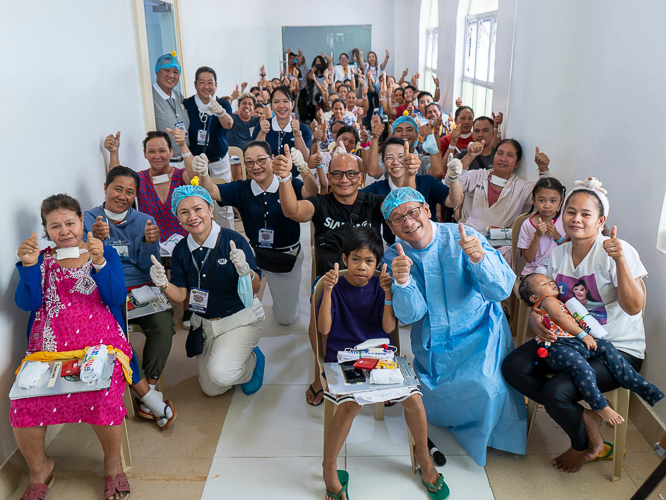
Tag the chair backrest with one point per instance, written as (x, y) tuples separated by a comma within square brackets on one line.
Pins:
[(217, 180), (316, 296), (234, 151), (515, 233), (644, 297)]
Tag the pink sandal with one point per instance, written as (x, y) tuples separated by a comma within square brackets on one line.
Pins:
[(117, 485), (38, 491)]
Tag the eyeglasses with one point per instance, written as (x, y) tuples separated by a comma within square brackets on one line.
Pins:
[(260, 162), (412, 214), (351, 174), (390, 160)]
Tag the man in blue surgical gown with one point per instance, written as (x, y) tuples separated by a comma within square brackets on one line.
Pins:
[(448, 283)]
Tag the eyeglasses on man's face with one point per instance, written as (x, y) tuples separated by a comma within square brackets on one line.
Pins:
[(351, 174), (412, 214)]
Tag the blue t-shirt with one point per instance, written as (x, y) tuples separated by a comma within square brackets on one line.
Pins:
[(432, 189), (356, 314), (241, 133), (278, 139), (251, 208), (217, 135), (223, 299)]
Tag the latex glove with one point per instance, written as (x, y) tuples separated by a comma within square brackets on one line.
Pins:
[(215, 107), (200, 165), (340, 149), (454, 167), (297, 158), (157, 273), (237, 257)]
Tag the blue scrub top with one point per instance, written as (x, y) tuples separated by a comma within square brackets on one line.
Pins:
[(223, 299), (217, 137)]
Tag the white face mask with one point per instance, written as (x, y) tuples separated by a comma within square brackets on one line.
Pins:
[(160, 179), (69, 253), (465, 136), (116, 217), (497, 181)]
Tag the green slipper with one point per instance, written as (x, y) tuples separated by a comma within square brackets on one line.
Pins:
[(343, 477), (441, 492)]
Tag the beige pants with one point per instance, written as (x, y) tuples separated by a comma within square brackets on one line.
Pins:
[(227, 357)]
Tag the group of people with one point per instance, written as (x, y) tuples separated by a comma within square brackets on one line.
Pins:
[(390, 183)]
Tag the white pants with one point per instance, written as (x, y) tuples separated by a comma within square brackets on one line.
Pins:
[(222, 169), (284, 290), (227, 357)]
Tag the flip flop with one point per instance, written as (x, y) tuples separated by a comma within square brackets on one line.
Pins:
[(314, 395), (343, 477), (167, 402), (143, 414), (607, 453), (441, 492)]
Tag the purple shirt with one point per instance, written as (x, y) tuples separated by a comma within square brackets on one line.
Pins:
[(356, 314)]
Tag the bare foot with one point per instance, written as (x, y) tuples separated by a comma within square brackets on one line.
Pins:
[(570, 461), (332, 482), (312, 398), (430, 476), (611, 416), (40, 475), (594, 438)]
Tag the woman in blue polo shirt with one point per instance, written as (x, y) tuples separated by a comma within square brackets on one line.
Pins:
[(216, 266), (274, 237), (282, 125), (210, 118), (432, 189)]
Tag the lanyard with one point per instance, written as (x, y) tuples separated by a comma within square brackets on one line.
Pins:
[(267, 200), (202, 264), (172, 103)]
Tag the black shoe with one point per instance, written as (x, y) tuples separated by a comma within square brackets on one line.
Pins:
[(437, 456), (186, 319)]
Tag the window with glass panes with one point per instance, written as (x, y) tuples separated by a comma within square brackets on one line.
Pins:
[(479, 62)]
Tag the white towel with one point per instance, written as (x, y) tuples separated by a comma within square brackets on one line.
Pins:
[(144, 294), (31, 374), (500, 234), (386, 377)]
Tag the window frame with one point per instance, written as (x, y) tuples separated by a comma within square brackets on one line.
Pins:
[(478, 18), (429, 72)]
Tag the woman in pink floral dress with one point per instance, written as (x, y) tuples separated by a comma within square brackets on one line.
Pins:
[(75, 302)]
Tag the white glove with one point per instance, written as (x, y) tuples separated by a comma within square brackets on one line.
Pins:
[(157, 273), (216, 108), (237, 257), (200, 165), (339, 150), (454, 167), (297, 158)]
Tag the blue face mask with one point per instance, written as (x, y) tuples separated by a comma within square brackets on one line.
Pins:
[(430, 145), (245, 290)]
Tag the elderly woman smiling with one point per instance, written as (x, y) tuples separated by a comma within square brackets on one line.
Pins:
[(217, 267)]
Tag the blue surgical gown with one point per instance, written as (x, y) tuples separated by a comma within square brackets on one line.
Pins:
[(459, 339)]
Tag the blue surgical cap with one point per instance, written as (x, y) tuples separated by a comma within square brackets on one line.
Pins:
[(182, 192), (399, 197), (167, 61), (405, 119)]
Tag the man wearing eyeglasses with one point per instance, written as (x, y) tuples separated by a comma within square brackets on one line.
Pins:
[(333, 214), (448, 283)]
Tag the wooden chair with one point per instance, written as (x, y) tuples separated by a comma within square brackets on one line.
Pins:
[(618, 399), (239, 152), (520, 311), (330, 407)]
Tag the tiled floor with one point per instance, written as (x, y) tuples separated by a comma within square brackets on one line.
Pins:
[(269, 445)]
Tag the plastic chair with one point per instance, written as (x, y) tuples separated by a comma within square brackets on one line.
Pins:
[(520, 311), (217, 180), (618, 399), (330, 407), (234, 151)]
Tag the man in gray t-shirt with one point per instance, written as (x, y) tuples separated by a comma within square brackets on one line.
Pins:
[(168, 102)]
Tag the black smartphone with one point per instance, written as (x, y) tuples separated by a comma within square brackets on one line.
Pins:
[(352, 375)]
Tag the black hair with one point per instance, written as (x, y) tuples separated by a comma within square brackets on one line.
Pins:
[(343, 54), (121, 171), (515, 144), (337, 122), (154, 134), (205, 69), (285, 90), (59, 202), (550, 183), (259, 144), (414, 89), (252, 89), (490, 120), (396, 141), (364, 237), (524, 288), (600, 206), (588, 295), (338, 101), (460, 110), (432, 104), (422, 93), (347, 128), (376, 58), (344, 82), (276, 78)]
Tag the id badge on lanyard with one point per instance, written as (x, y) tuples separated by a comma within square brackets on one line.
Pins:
[(202, 135), (198, 300), (266, 236)]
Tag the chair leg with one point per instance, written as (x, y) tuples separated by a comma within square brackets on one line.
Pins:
[(329, 413), (531, 414), (129, 406), (125, 453), (620, 432), (379, 411), (161, 383), (410, 440), (523, 321)]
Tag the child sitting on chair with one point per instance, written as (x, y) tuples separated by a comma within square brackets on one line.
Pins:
[(574, 347), (355, 308)]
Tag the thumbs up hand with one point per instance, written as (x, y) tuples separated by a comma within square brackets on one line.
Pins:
[(401, 266), (454, 168), (100, 228), (237, 257), (112, 143), (200, 165), (157, 273), (282, 164), (331, 278), (215, 107), (96, 250), (151, 232), (613, 246), (541, 160), (471, 245), (235, 94), (541, 228), (28, 251), (385, 281)]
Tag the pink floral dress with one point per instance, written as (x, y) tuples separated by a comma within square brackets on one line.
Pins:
[(73, 316)]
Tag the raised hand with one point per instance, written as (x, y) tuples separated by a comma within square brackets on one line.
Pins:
[(454, 167), (237, 257), (475, 148), (28, 251), (411, 162), (243, 85), (458, 102), (498, 119), (387, 53), (216, 108), (234, 94), (262, 71), (317, 132), (541, 228), (151, 232), (410, 108), (455, 134), (471, 245), (331, 278), (112, 143), (295, 125), (404, 73), (552, 231), (401, 265), (200, 165), (425, 130), (157, 273), (436, 81), (314, 161), (364, 135), (283, 163), (613, 246), (541, 160), (96, 250), (377, 126), (264, 124), (100, 229), (178, 136), (385, 280), (437, 124)]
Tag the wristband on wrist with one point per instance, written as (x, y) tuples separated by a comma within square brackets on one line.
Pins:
[(285, 179), (581, 335), (246, 271), (560, 240), (163, 287), (452, 178), (301, 170), (388, 302), (224, 112), (185, 155)]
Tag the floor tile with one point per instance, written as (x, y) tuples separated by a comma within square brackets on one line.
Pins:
[(636, 443), (444, 441), (289, 359), (638, 466), (369, 437)]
